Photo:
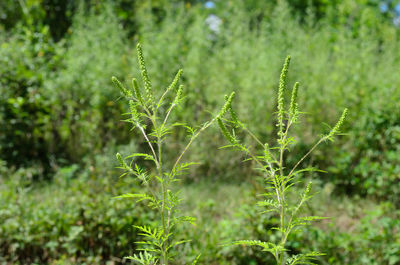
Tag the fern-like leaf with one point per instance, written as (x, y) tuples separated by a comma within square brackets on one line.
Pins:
[(143, 258)]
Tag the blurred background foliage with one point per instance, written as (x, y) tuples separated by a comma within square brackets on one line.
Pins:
[(60, 122)]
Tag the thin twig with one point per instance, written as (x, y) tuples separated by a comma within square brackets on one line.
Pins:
[(149, 143), (308, 153)]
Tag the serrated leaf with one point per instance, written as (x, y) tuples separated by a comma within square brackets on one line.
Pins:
[(138, 196), (178, 243), (268, 203), (306, 258), (143, 258), (189, 219)]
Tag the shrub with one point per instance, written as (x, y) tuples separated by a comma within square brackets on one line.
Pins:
[(25, 134), (72, 221), (84, 103), (373, 159)]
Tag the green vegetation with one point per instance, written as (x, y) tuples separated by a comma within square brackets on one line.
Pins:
[(159, 190), (280, 180), (61, 125)]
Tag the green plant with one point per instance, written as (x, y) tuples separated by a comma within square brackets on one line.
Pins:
[(71, 218), (150, 117), (25, 134), (84, 105), (279, 179), (359, 75), (374, 162)]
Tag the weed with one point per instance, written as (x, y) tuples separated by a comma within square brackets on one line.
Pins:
[(279, 179), (151, 118)]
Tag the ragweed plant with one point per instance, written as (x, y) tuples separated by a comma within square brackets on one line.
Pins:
[(151, 117), (278, 178)]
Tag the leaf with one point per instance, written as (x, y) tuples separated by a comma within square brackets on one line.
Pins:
[(264, 245), (149, 243), (267, 246), (127, 195), (146, 156), (148, 232), (140, 196), (196, 259), (178, 243), (267, 194), (309, 169), (143, 258), (189, 219), (161, 131), (149, 249), (190, 130), (179, 169), (307, 219), (306, 258), (269, 203)]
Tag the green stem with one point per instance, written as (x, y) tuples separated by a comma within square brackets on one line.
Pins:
[(150, 145), (258, 141), (308, 153), (281, 191), (164, 196), (192, 139)]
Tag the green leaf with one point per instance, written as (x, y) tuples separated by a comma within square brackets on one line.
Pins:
[(146, 156), (138, 196), (306, 258), (154, 234), (189, 219), (178, 243), (196, 259), (143, 258)]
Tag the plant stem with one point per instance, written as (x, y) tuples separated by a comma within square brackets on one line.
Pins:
[(281, 191), (308, 153), (151, 146), (205, 126), (164, 195)]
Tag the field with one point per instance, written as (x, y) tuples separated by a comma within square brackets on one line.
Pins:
[(110, 154)]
